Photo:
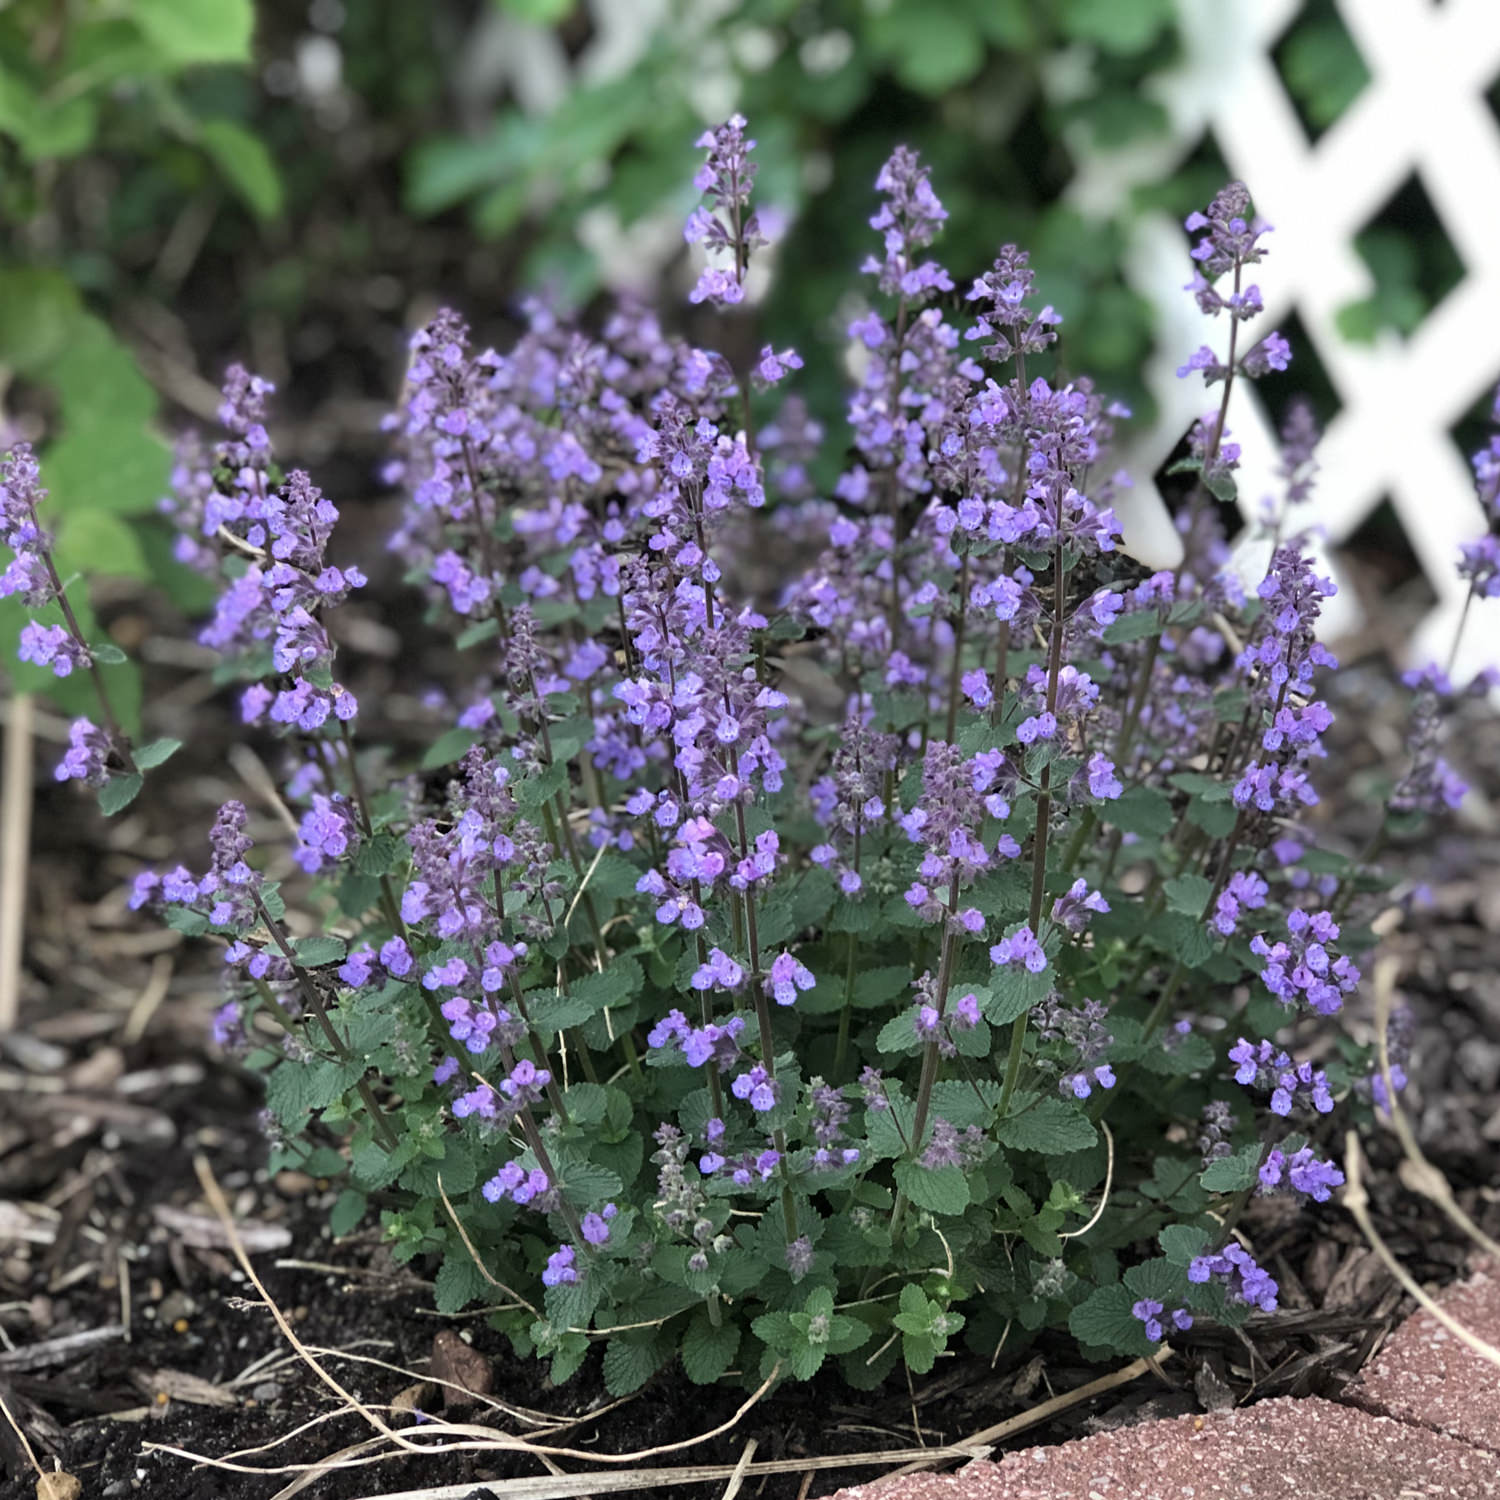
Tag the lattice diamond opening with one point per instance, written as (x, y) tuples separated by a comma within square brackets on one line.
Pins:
[(1320, 65), (1472, 432), (1306, 377), (1176, 489), (1413, 263), (1384, 568)]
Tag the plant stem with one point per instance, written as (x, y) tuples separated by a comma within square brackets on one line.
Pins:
[(1043, 817), (118, 738), (955, 671), (314, 1002)]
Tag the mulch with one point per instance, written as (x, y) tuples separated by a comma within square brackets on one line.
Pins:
[(126, 1324)]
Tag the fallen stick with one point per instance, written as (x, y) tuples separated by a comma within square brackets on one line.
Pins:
[(56, 1351)]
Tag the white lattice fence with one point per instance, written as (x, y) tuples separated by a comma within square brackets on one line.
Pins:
[(1424, 111)]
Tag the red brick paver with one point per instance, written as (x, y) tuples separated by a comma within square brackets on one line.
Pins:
[(1428, 1375), (1285, 1449)]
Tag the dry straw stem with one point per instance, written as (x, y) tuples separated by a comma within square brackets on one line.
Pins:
[(1357, 1201), (1421, 1176), (215, 1195), (15, 845), (988, 1436), (637, 1481), (1109, 1177), (478, 1440)]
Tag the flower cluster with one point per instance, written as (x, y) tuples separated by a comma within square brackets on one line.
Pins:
[(870, 852), (1301, 967), (1243, 1280)]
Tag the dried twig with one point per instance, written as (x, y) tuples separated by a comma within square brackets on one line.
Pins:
[(635, 1481), (59, 1350), (1357, 1201), (737, 1479), (216, 1200), (1109, 1177), (468, 1245), (15, 845), (987, 1436), (20, 1433)]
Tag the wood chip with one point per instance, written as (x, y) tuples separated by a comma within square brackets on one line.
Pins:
[(29, 1225), (460, 1364), (178, 1385), (204, 1232), (58, 1351)]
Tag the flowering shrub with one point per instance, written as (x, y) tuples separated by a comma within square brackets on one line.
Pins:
[(811, 936)]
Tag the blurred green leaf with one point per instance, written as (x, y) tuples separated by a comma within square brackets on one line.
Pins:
[(930, 48), (96, 543), (245, 161), (443, 172), (1321, 66), (198, 31), (1120, 26), (541, 12), (37, 307)]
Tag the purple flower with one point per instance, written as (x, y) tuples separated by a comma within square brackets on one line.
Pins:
[(87, 757), (328, 833), (1022, 945), (1103, 783), (787, 976), (596, 1226), (560, 1268), (1303, 967), (720, 971), (1265, 1067), (1244, 1280), (758, 1087), (52, 646)]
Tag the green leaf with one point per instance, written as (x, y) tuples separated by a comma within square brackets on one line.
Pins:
[(1189, 894), (1232, 1174), (459, 1282), (1182, 1243), (107, 654), (444, 171), (1142, 810), (448, 747), (118, 793), (485, 630), (148, 757), (379, 855), (1013, 990), (708, 1351), (1124, 27), (899, 1034), (630, 1360), (1132, 627), (932, 49), (1103, 1320), (1186, 937), (313, 952), (347, 1211), (198, 31), (941, 1190), (185, 920), (539, 12), (1052, 1126), (1209, 788), (37, 307), (247, 164)]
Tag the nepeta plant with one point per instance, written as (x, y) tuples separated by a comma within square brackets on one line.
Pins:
[(674, 1011)]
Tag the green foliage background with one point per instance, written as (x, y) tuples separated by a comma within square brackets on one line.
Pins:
[(159, 162)]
